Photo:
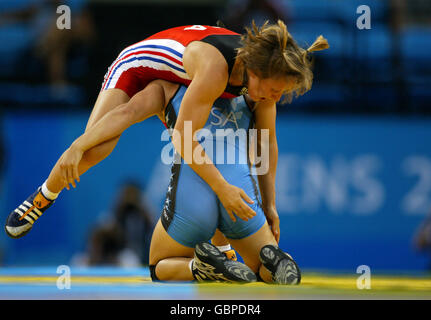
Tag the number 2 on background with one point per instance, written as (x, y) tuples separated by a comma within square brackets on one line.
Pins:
[(196, 27), (418, 199)]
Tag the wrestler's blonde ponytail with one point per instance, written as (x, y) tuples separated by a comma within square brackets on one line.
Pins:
[(271, 52)]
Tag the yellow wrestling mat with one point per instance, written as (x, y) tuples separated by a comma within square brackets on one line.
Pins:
[(117, 283)]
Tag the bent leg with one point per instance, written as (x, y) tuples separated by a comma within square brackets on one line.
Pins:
[(171, 259), (221, 242), (249, 249), (219, 239), (262, 254)]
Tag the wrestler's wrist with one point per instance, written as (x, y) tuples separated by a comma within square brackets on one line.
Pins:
[(269, 206), (219, 185)]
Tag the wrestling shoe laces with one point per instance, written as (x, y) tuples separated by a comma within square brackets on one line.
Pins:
[(283, 268), (21, 220), (210, 264)]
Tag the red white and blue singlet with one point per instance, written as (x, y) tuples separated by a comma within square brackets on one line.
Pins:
[(160, 56)]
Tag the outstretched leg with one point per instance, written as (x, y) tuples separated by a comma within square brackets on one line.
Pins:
[(106, 101), (110, 117), (20, 221)]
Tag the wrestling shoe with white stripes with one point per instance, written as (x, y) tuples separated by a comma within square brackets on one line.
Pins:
[(209, 264), (283, 268), (21, 220)]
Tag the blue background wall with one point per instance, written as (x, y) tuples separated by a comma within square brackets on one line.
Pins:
[(353, 184), (350, 190)]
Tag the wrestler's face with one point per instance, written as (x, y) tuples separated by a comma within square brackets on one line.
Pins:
[(260, 89)]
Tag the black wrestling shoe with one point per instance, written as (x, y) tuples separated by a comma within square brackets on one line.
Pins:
[(21, 220), (210, 264), (283, 268)]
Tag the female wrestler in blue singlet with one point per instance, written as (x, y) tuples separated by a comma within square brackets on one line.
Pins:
[(192, 211)]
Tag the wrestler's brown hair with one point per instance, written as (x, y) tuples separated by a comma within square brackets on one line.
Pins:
[(271, 52)]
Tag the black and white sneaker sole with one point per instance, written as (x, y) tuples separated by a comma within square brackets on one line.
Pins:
[(212, 265), (283, 268), (18, 234)]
